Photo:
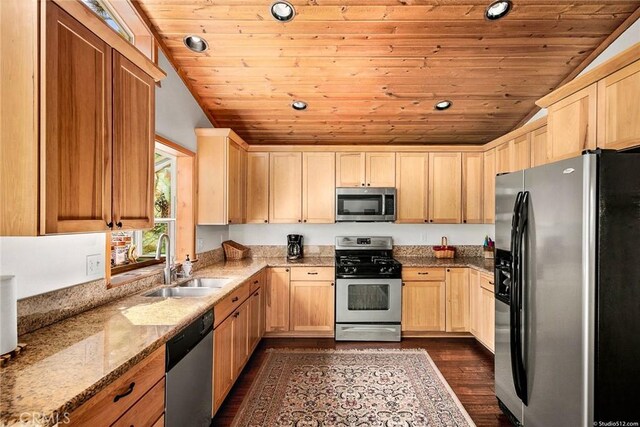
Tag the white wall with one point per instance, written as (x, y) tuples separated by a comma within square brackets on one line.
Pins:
[(324, 234), (627, 39)]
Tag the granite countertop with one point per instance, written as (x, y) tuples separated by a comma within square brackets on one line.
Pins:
[(70, 361)]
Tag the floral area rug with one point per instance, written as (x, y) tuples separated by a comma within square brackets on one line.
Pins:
[(314, 388)]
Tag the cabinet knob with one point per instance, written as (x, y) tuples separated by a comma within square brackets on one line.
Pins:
[(332, 283), (229, 221), (448, 269), (430, 220), (464, 221), (234, 299), (266, 221), (110, 224), (299, 220), (119, 224), (255, 282), (237, 314), (305, 220), (286, 270), (362, 184), (403, 283), (426, 220), (368, 184)]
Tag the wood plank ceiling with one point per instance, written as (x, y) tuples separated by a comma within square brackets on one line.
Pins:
[(372, 70)]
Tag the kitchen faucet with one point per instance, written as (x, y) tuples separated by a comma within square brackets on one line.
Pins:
[(168, 270)]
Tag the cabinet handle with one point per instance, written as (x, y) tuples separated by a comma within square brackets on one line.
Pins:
[(403, 284), (448, 270), (229, 221), (464, 221), (110, 224), (255, 282), (430, 220), (332, 283), (313, 273), (305, 220), (426, 220), (234, 299), (256, 294), (286, 270), (266, 221), (422, 273), (368, 184), (119, 224), (362, 184), (237, 314), (299, 220), (125, 394)]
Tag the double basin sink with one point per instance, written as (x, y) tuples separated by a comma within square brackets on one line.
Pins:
[(194, 288)]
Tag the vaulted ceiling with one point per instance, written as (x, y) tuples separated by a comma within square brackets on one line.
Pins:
[(372, 70)]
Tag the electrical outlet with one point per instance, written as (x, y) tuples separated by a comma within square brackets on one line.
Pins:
[(200, 245), (94, 264)]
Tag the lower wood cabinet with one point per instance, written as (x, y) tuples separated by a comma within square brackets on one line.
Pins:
[(474, 301), (457, 308), (223, 371), (256, 318), (312, 306), (277, 304), (423, 306), (486, 311)]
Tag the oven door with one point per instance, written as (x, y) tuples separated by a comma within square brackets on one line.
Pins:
[(368, 300)]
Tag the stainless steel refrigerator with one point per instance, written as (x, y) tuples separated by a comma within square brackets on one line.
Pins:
[(567, 281)]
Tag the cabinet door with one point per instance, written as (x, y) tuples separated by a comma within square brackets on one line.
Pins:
[(487, 318), (277, 310), (77, 130), (423, 306), (522, 152), (539, 151), (445, 188), (411, 187), (505, 158), (235, 181), (472, 186), (619, 109), (312, 306), (318, 187), (285, 187), (240, 337), (489, 187), (223, 373), (133, 145), (474, 302), (350, 170), (571, 124), (380, 169), (457, 299), (257, 187), (256, 316)]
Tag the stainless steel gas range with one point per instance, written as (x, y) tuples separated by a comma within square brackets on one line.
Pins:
[(368, 290)]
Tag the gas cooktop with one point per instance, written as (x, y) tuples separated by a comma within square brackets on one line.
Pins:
[(366, 257)]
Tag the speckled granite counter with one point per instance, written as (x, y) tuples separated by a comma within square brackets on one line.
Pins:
[(69, 361)]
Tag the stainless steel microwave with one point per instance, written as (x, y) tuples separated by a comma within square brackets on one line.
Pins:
[(365, 204)]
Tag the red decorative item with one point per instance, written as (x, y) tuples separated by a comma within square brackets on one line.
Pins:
[(444, 251)]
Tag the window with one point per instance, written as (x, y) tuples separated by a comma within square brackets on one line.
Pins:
[(106, 13)]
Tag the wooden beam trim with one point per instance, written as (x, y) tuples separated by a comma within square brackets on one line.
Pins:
[(173, 147), (516, 133), (366, 148)]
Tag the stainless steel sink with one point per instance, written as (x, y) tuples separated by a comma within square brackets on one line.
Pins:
[(206, 282), (181, 292)]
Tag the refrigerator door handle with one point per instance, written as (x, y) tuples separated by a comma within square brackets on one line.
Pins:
[(513, 300), (519, 297)]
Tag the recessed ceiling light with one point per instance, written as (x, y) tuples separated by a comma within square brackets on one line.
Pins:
[(196, 43), (282, 11), (498, 9), (299, 105), (443, 105)]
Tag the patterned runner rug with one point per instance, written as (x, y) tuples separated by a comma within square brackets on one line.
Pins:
[(313, 388)]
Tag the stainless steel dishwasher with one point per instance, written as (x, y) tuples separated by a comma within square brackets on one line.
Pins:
[(189, 375)]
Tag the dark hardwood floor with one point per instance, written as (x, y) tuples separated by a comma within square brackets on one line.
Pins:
[(466, 365)]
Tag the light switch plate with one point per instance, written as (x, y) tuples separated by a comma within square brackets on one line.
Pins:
[(94, 264)]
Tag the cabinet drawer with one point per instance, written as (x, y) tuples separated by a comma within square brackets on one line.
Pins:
[(108, 405), (146, 411), (486, 281), (160, 422), (427, 274), (231, 302), (256, 281), (313, 273)]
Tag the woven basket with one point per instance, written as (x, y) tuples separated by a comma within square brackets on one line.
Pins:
[(234, 251), (444, 251)]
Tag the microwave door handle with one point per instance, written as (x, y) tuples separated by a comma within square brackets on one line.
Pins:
[(384, 205)]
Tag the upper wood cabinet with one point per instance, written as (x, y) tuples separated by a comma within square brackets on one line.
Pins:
[(222, 178), (445, 184), (619, 109), (133, 145), (285, 187), (257, 187), (504, 158), (357, 169), (318, 187), (457, 281), (539, 151), (522, 152), (472, 188), (412, 187), (77, 132), (571, 124), (489, 186)]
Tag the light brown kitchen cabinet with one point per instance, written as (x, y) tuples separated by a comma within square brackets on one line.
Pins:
[(221, 186), (423, 306), (445, 188), (412, 187), (223, 357), (318, 187), (285, 187), (240, 337), (357, 169), (312, 305), (474, 301), (504, 158), (457, 291), (380, 169), (77, 127), (257, 187), (489, 186), (486, 322), (539, 150), (256, 318), (618, 108), (522, 152), (277, 300), (571, 124), (133, 145), (472, 188)]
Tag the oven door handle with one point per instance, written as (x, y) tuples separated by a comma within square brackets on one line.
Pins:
[(365, 328)]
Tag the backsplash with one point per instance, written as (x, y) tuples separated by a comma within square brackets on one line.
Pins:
[(275, 251), (41, 310)]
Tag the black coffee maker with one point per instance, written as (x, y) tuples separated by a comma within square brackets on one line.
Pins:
[(294, 246)]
